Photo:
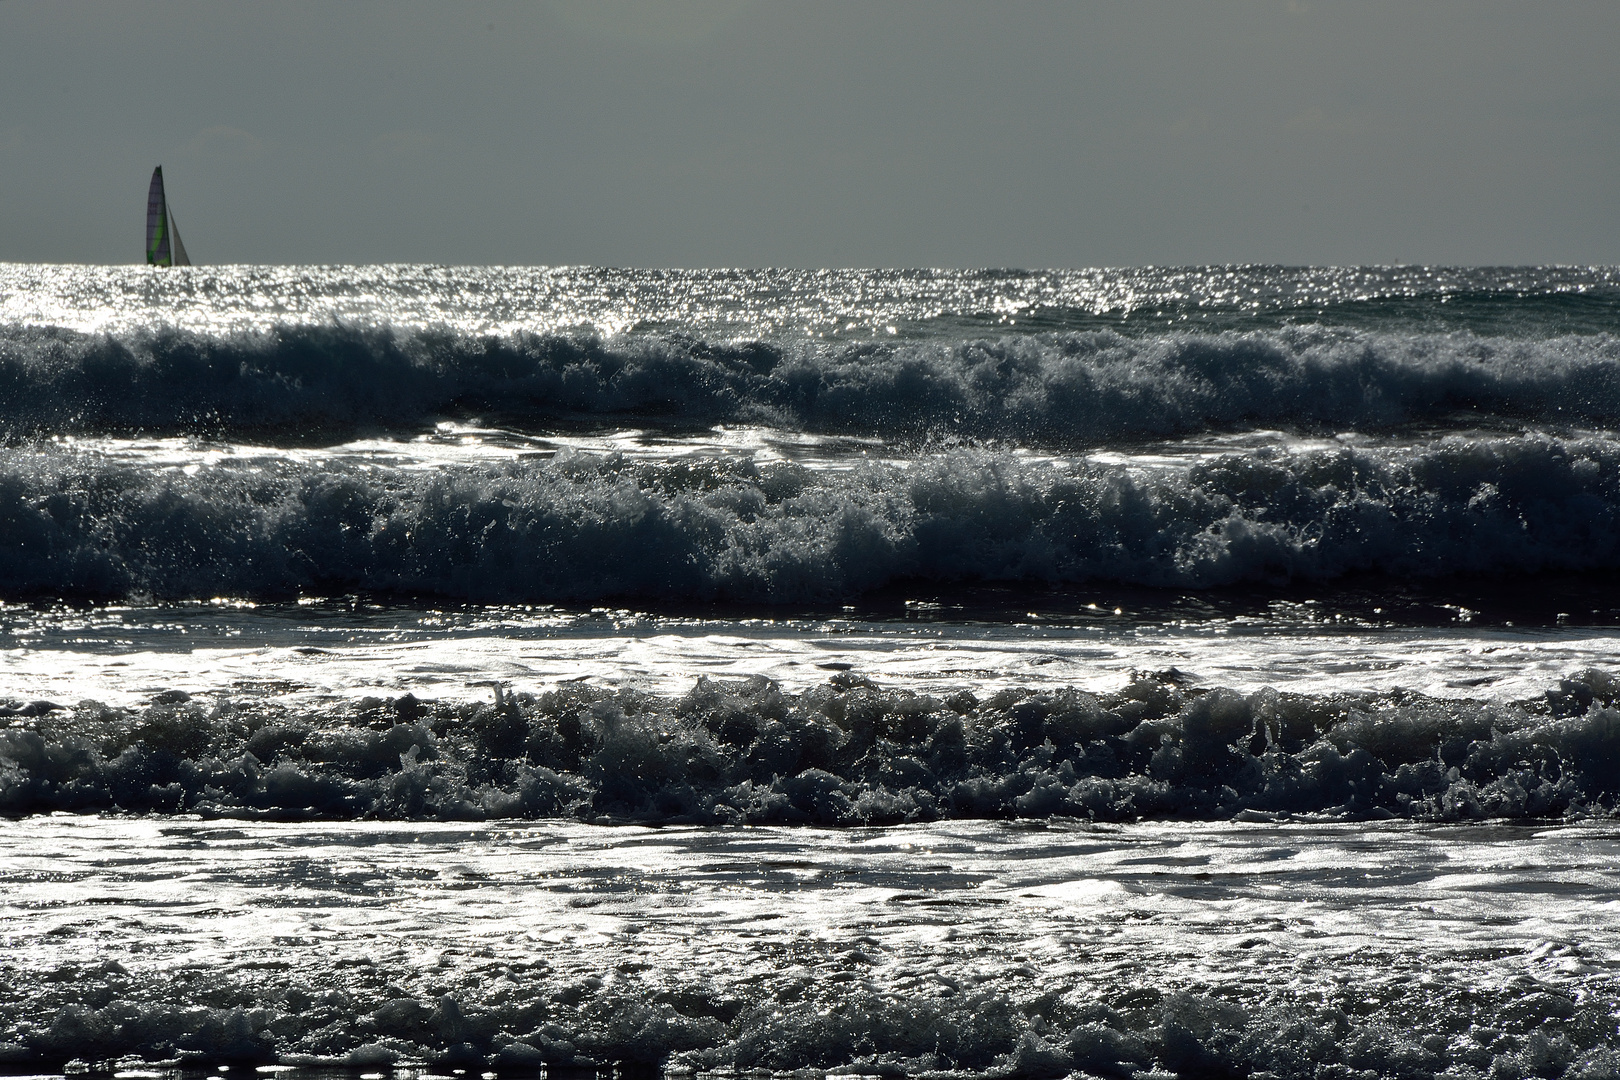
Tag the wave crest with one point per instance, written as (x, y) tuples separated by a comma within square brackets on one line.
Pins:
[(845, 753), (587, 528), (1075, 388)]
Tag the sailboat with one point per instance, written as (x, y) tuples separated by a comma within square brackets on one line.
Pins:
[(163, 246)]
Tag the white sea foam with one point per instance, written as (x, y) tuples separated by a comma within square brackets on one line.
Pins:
[(1299, 949), (307, 655)]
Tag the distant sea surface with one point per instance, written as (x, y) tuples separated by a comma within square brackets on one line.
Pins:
[(1205, 671)]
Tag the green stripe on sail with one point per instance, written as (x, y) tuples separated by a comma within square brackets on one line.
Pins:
[(157, 222)]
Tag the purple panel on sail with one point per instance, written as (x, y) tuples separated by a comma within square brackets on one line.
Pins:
[(157, 225)]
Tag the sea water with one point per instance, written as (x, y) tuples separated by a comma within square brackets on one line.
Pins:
[(1206, 671)]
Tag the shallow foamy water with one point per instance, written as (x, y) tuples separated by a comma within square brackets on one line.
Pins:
[(306, 654), (560, 926)]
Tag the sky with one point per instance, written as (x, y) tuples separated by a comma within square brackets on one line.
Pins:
[(815, 133)]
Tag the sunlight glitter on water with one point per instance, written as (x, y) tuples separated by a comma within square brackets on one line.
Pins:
[(1263, 913), (123, 657)]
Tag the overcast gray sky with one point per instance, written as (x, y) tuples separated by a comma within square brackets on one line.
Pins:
[(815, 133)]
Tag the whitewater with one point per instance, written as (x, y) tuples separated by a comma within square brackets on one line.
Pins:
[(1201, 671)]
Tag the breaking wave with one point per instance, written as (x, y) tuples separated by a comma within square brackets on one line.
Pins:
[(328, 381), (532, 1022), (583, 527), (845, 753)]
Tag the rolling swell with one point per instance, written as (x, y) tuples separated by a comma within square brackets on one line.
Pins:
[(583, 527), (323, 382)]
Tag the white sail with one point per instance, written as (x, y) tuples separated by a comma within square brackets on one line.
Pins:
[(180, 258)]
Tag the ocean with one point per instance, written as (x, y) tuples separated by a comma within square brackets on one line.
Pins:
[(1131, 673)]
